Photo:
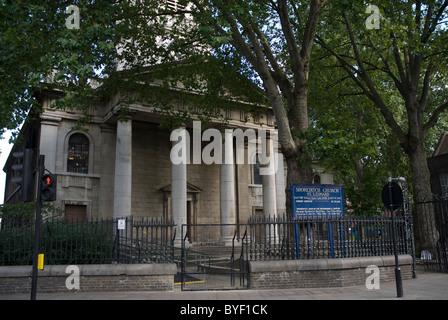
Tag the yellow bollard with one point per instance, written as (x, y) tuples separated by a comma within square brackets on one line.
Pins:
[(40, 261)]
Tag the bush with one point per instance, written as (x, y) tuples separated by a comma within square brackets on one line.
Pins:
[(62, 242)]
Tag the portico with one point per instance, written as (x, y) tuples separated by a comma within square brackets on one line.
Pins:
[(225, 196)]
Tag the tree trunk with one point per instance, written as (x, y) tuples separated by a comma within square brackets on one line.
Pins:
[(420, 174), (296, 173), (424, 215)]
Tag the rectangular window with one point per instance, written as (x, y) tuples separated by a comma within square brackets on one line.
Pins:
[(443, 179), (78, 153), (174, 5), (257, 179)]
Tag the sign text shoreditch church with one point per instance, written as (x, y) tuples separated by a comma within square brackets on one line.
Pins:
[(317, 200)]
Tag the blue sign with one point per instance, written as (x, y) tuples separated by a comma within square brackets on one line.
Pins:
[(317, 200)]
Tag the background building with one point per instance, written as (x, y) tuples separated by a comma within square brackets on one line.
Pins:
[(438, 168)]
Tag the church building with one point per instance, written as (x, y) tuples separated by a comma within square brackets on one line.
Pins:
[(120, 166)]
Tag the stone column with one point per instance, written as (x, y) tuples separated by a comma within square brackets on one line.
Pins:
[(179, 185), (123, 170), (280, 185), (49, 141), (106, 188), (269, 193), (268, 181), (227, 190)]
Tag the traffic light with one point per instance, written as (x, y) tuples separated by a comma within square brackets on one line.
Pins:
[(49, 182), (25, 174)]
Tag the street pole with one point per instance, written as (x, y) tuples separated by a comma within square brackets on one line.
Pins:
[(40, 172), (398, 280)]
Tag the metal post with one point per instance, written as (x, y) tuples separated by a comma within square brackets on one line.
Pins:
[(40, 172), (398, 280), (330, 235), (297, 235)]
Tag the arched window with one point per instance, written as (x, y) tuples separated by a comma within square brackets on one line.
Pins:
[(78, 153), (256, 170)]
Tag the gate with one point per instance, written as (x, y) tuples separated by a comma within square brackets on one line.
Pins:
[(211, 264), (433, 234)]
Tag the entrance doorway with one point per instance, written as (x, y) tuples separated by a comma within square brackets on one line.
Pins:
[(75, 212), (213, 266)]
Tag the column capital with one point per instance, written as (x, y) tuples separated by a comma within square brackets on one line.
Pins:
[(51, 120), (222, 128), (123, 114)]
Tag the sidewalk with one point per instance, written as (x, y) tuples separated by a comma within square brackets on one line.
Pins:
[(427, 286)]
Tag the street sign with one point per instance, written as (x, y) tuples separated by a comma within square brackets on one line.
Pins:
[(392, 189), (392, 197), (317, 200)]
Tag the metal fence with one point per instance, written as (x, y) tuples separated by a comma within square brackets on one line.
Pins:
[(215, 264), (102, 241), (146, 240), (150, 240), (432, 234), (326, 237)]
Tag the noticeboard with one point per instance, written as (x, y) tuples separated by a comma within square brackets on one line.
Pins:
[(121, 224), (317, 200)]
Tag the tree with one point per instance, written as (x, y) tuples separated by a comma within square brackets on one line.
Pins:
[(349, 138), (36, 46), (275, 40), (269, 42), (401, 67), (399, 63)]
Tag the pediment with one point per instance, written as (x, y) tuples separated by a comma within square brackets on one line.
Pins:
[(191, 188), (442, 146)]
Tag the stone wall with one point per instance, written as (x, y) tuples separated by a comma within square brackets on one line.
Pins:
[(320, 273), (111, 277)]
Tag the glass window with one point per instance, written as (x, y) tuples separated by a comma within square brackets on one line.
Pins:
[(78, 153), (256, 170), (175, 5), (443, 178)]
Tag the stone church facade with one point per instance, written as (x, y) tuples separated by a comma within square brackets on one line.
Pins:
[(121, 167)]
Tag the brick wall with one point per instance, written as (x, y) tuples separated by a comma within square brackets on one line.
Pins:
[(320, 273), (114, 277)]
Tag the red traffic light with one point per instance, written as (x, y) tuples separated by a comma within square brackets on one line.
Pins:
[(48, 191), (48, 180)]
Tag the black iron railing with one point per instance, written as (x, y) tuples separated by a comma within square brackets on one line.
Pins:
[(149, 240), (325, 237), (432, 234), (102, 241)]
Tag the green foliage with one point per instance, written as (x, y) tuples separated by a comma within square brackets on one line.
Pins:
[(377, 93), (22, 211), (34, 42), (26, 211), (348, 133), (348, 136), (71, 243), (62, 242)]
